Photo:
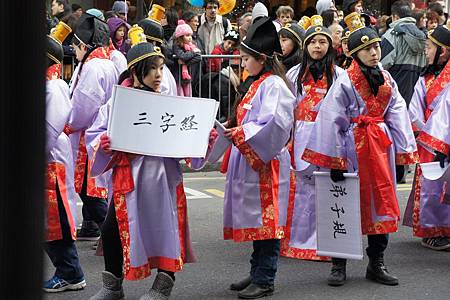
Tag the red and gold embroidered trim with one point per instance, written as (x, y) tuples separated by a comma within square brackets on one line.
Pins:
[(323, 160), (407, 158), (80, 164), (238, 137), (268, 191), (100, 52), (182, 221), (368, 227), (437, 86), (53, 72), (304, 110), (433, 143)]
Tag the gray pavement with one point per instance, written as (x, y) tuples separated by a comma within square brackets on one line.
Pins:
[(423, 273)]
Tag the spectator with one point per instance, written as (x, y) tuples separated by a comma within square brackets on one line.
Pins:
[(212, 26), (350, 6), (109, 14), (383, 24), (439, 9), (244, 23), (285, 14), (60, 9), (120, 8), (432, 20), (421, 20), (169, 23), (186, 53), (259, 10), (340, 15), (403, 49), (336, 35), (118, 31), (77, 9), (191, 19), (323, 5), (329, 17), (227, 47), (96, 13), (310, 11)]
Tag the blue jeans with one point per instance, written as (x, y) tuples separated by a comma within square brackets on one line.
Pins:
[(264, 261), (63, 253)]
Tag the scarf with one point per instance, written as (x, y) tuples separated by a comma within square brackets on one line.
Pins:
[(373, 75), (316, 68)]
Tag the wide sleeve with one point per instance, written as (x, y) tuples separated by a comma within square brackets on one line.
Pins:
[(88, 95), (397, 119), (436, 132), (58, 109), (101, 161), (264, 136), (417, 105), (326, 147)]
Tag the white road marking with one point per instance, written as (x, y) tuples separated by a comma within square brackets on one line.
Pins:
[(194, 194)]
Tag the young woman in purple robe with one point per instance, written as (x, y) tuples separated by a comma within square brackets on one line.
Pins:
[(257, 188)]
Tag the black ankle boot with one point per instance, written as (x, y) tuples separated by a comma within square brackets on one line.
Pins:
[(338, 272), (377, 271), (239, 286), (255, 291)]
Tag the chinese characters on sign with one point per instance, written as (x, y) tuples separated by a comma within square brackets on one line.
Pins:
[(338, 227), (186, 124)]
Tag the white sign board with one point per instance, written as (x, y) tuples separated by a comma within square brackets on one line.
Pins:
[(433, 171), (160, 125), (221, 144), (338, 216)]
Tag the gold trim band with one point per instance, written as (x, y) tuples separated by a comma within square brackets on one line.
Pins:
[(154, 39), (52, 58), (437, 42), (369, 42), (294, 33), (131, 63), (316, 33)]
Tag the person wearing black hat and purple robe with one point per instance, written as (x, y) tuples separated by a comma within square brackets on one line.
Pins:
[(363, 126), (258, 172), (291, 40), (311, 80), (91, 86)]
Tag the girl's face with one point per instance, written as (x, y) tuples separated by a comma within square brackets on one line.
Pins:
[(120, 33), (337, 19), (80, 51), (359, 7), (187, 39), (154, 76), (287, 46), (228, 45), (318, 47), (423, 22), (251, 64), (345, 47), (432, 24), (370, 55)]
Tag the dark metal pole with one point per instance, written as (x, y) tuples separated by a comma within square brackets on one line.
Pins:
[(22, 159)]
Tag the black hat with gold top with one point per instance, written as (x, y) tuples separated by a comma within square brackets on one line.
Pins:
[(294, 30), (304, 22), (153, 30), (54, 44), (441, 35), (360, 35), (316, 28), (262, 38), (140, 48)]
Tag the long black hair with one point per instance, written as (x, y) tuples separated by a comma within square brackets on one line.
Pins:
[(307, 60), (295, 57), (140, 69)]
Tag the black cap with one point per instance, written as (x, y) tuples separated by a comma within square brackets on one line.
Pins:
[(153, 30), (295, 30), (54, 50), (345, 34), (232, 35), (141, 51), (441, 36), (360, 36), (262, 38), (92, 31)]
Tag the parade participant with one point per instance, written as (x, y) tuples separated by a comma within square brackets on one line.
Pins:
[(146, 226), (227, 47), (363, 126), (311, 81), (257, 188), (425, 212), (61, 197), (345, 59), (154, 33), (291, 40), (91, 87), (187, 53)]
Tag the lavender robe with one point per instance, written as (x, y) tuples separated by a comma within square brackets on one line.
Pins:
[(425, 211), (58, 149), (302, 240), (93, 89), (152, 209), (168, 84), (266, 127), (332, 138)]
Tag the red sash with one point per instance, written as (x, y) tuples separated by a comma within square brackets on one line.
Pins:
[(53, 72), (241, 112), (372, 147)]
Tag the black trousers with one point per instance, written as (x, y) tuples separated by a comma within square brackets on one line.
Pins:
[(377, 244), (94, 209), (63, 253), (112, 246)]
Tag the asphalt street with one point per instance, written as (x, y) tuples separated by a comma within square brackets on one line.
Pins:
[(423, 273)]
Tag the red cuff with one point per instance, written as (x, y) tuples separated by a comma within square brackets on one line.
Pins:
[(433, 143), (407, 158), (238, 138), (324, 161)]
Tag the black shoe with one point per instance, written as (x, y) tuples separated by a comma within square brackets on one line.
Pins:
[(338, 272), (377, 271), (239, 286), (89, 231), (436, 243), (255, 291)]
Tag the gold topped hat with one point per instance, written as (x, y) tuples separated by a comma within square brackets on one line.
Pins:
[(315, 28), (60, 32), (305, 22), (136, 35), (156, 13), (354, 22), (316, 20)]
